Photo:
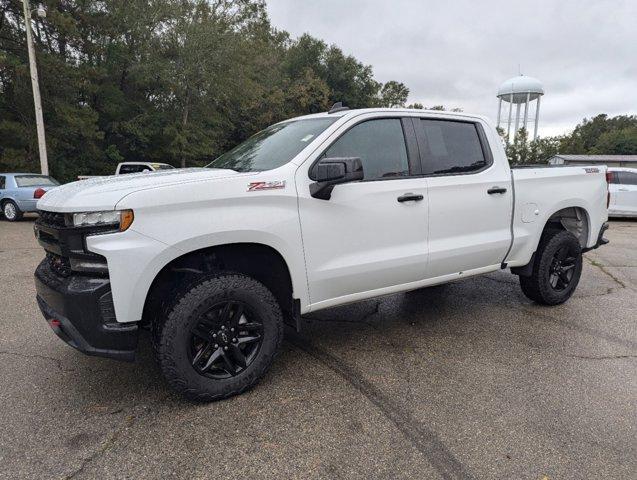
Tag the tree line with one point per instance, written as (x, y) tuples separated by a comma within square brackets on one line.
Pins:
[(600, 135), (181, 81), (176, 81)]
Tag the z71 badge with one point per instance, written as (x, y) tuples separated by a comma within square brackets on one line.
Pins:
[(275, 185)]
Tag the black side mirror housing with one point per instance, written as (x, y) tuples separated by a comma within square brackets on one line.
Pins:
[(328, 172)]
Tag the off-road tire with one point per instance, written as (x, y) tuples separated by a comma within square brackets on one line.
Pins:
[(537, 286), (18, 213), (171, 335)]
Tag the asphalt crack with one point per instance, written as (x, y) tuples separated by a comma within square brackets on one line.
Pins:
[(607, 272), (609, 337), (104, 447), (602, 357), (56, 361), (426, 441)]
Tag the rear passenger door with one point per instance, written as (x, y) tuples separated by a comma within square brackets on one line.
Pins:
[(626, 196), (470, 197)]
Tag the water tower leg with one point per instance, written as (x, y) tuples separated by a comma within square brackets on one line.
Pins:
[(526, 112), (537, 117), (499, 110), (509, 122), (517, 120)]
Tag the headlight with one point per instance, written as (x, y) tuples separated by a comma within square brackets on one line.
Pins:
[(119, 219)]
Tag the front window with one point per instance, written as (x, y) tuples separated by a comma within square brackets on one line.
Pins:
[(273, 147), (35, 181), (380, 144)]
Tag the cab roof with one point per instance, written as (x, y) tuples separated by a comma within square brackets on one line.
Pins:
[(360, 111)]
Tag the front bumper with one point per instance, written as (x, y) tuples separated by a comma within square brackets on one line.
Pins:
[(79, 309)]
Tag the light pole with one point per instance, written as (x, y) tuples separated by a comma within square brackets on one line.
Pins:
[(39, 120)]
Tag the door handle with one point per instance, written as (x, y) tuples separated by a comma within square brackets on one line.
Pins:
[(493, 190), (410, 197), (623, 189)]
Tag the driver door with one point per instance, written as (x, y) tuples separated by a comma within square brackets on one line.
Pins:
[(366, 239)]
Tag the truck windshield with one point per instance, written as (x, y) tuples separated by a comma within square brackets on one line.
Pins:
[(272, 147)]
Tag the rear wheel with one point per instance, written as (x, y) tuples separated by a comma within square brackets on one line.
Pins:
[(11, 211), (220, 338), (557, 269)]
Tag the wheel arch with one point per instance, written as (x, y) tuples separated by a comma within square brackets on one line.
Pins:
[(257, 260), (575, 219), (7, 199)]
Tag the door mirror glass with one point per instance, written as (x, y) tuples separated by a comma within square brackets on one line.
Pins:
[(328, 172)]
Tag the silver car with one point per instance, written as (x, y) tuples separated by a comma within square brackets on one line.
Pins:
[(19, 193)]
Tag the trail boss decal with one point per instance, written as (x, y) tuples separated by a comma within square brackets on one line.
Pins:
[(275, 185), (591, 170)]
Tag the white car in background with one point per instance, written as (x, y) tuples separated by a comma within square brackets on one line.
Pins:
[(622, 187)]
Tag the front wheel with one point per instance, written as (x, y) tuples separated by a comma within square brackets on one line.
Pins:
[(220, 338), (556, 270)]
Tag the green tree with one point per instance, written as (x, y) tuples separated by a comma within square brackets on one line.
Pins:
[(535, 152), (393, 94), (617, 142), (587, 135)]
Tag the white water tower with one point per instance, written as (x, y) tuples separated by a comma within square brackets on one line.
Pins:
[(518, 91)]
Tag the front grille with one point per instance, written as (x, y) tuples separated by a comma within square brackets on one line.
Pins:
[(59, 265), (65, 246), (51, 219)]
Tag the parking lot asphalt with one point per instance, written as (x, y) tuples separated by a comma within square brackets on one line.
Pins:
[(466, 380)]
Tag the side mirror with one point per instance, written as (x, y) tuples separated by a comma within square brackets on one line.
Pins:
[(329, 172)]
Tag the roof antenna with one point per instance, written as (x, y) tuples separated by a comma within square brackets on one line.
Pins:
[(338, 107)]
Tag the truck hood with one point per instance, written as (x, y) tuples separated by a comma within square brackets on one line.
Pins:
[(103, 193)]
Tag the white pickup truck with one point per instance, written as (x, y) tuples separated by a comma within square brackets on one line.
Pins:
[(310, 213)]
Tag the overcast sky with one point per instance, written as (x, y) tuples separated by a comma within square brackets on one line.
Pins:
[(457, 52)]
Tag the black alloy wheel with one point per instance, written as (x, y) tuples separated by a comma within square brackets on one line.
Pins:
[(562, 268), (225, 340)]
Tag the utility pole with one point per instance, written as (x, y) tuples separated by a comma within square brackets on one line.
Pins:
[(39, 120)]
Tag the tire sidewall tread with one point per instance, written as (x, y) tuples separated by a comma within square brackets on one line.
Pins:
[(171, 333), (537, 287)]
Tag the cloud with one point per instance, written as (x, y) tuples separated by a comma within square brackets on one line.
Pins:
[(458, 52)]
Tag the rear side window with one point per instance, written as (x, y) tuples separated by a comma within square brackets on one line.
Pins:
[(449, 147), (35, 181), (380, 144), (627, 178), (2, 183)]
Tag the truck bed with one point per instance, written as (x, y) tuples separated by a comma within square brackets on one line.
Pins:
[(541, 191)]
